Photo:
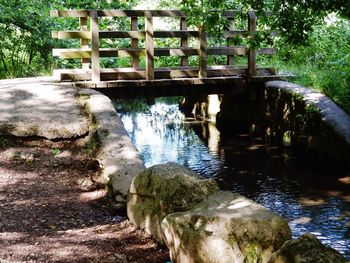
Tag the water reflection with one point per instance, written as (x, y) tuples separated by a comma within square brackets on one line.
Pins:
[(162, 134), (307, 193)]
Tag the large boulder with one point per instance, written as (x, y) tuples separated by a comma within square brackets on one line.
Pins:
[(226, 227), (164, 189), (306, 249)]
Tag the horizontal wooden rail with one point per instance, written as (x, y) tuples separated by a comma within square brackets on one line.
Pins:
[(137, 52), (90, 50), (141, 34), (130, 13)]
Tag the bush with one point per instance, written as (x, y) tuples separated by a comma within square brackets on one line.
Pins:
[(324, 62)]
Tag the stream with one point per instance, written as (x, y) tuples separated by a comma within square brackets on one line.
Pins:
[(312, 194)]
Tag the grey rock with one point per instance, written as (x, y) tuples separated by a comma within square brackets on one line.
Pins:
[(226, 227), (164, 189), (306, 249), (331, 113), (118, 157), (40, 107)]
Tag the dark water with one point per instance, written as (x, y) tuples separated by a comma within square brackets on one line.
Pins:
[(312, 194)]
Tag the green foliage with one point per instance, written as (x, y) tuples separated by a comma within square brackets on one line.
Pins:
[(25, 42), (3, 141), (93, 145), (323, 63), (55, 151), (200, 14), (25, 28), (16, 156)]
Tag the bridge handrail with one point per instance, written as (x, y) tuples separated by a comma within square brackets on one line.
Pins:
[(94, 52), (131, 13)]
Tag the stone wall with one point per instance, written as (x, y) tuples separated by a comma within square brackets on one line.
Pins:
[(286, 113)]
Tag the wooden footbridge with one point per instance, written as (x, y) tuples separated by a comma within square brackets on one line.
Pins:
[(96, 46)]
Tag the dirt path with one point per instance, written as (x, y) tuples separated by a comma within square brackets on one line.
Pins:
[(50, 211)]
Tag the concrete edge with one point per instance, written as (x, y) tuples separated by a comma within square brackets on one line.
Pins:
[(330, 112), (119, 158)]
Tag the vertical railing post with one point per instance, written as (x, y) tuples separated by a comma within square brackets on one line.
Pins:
[(135, 41), (149, 45), (84, 43), (95, 43), (184, 40), (230, 58), (252, 52), (202, 52)]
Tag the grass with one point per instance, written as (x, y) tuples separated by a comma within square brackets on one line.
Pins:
[(332, 82)]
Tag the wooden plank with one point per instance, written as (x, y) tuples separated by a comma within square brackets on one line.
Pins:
[(160, 73), (84, 43), (139, 34), (132, 89), (139, 52), (71, 53), (120, 13), (70, 13), (162, 69), (140, 13), (122, 52), (104, 52), (227, 50), (176, 34), (202, 52), (123, 75), (123, 34), (95, 43), (129, 13), (182, 52), (230, 58), (167, 13), (184, 40), (266, 51), (134, 41), (149, 46), (71, 34), (252, 53), (171, 72), (155, 13)]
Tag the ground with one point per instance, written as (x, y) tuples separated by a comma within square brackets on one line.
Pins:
[(52, 209)]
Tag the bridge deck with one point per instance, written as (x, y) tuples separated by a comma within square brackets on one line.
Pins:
[(234, 80)]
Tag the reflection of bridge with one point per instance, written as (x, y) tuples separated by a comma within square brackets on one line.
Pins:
[(142, 51)]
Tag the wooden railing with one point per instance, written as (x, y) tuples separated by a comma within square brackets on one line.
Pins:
[(90, 51)]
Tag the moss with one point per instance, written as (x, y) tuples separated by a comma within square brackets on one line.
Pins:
[(3, 141), (251, 254), (55, 151), (93, 144), (81, 98)]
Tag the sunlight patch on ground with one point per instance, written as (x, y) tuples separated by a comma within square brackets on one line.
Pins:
[(92, 196)]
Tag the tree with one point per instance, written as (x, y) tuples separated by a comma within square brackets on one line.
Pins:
[(294, 18), (25, 28)]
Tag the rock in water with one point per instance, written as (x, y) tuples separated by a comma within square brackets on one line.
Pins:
[(306, 249), (226, 227), (164, 189)]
